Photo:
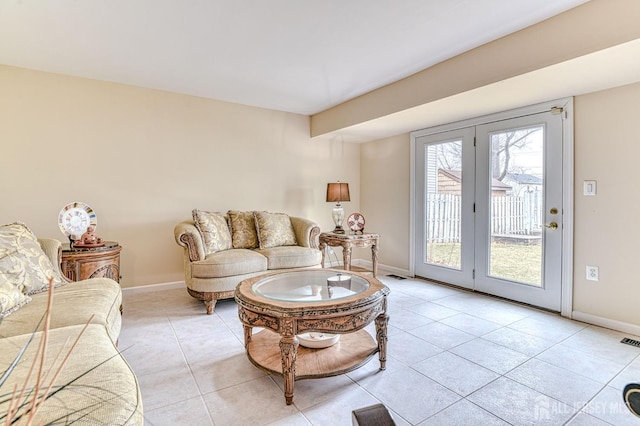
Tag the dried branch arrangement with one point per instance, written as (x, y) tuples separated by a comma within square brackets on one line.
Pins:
[(25, 401)]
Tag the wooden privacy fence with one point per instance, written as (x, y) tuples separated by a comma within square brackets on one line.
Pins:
[(510, 215), (443, 216)]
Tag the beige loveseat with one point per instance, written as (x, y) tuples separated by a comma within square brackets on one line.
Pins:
[(220, 250), (95, 386)]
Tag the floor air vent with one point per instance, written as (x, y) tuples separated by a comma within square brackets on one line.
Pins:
[(397, 277), (631, 342)]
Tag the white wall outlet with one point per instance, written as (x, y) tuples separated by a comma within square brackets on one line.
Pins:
[(589, 187), (592, 273)]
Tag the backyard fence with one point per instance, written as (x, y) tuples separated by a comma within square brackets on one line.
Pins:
[(511, 215)]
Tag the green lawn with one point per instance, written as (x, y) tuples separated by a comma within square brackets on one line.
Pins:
[(516, 262)]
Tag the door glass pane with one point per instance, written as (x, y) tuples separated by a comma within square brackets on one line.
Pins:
[(517, 186), (443, 201)]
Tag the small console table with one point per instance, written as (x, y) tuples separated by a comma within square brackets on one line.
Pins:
[(80, 263), (348, 242)]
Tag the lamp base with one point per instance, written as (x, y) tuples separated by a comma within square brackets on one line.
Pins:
[(338, 230), (338, 217)]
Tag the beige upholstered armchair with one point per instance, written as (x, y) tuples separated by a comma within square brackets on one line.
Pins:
[(221, 250)]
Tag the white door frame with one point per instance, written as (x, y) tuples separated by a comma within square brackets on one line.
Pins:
[(567, 184)]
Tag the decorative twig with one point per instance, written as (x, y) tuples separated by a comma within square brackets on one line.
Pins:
[(64, 362), (41, 391), (43, 354)]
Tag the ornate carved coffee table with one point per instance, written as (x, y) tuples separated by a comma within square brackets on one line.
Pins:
[(293, 302)]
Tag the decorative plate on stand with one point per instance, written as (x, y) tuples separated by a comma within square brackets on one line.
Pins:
[(74, 218), (356, 222)]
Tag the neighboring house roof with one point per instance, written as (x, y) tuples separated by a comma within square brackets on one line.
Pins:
[(525, 179), (456, 175)]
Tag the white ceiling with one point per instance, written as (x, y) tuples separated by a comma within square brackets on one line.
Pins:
[(299, 56)]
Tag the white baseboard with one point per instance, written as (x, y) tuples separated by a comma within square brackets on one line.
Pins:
[(369, 265), (624, 327), (153, 287)]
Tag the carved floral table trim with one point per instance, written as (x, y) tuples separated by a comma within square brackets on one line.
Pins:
[(276, 349)]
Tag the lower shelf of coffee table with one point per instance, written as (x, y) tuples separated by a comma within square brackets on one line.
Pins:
[(351, 352)]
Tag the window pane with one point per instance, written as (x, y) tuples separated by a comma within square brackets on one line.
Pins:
[(443, 201), (517, 186)]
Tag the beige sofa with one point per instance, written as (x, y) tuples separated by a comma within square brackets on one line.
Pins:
[(220, 250), (95, 386)]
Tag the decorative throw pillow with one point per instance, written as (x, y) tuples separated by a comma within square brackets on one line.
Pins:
[(243, 229), (214, 230), (22, 261), (274, 230), (11, 296)]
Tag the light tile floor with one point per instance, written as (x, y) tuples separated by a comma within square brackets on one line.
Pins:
[(454, 358)]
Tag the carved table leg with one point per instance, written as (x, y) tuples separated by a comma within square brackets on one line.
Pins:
[(322, 246), (381, 335), (289, 353), (374, 258), (248, 330), (346, 256)]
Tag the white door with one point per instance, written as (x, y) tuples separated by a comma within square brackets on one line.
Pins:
[(489, 207), (445, 163), (518, 233)]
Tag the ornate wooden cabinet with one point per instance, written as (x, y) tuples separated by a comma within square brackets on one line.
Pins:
[(82, 263)]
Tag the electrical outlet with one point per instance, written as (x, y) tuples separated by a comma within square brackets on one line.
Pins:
[(592, 273)]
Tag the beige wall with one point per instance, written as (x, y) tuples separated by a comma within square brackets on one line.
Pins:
[(606, 231), (385, 197), (143, 159)]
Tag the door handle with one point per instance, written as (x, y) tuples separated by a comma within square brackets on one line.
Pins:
[(552, 226)]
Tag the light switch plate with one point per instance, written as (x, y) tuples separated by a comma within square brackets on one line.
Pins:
[(589, 187)]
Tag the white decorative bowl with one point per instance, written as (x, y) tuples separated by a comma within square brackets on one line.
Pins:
[(317, 340)]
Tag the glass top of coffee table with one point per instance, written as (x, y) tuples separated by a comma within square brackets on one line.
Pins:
[(310, 286)]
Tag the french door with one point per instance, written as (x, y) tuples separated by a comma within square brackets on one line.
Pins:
[(488, 206)]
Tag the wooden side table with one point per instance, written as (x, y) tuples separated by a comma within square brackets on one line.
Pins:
[(82, 263), (348, 242)]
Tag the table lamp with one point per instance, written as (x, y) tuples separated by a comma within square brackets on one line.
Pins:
[(336, 193)]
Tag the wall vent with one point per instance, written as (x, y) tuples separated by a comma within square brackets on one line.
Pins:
[(397, 277), (631, 342)]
